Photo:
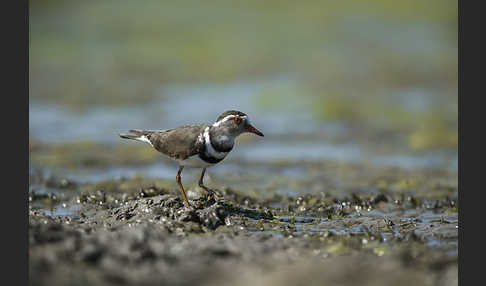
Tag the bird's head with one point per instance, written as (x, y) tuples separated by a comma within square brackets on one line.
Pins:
[(235, 122)]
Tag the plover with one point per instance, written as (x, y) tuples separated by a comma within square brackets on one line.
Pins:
[(197, 145)]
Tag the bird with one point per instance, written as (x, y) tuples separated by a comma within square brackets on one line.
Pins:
[(197, 145)]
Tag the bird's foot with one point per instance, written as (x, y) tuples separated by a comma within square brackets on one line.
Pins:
[(187, 205), (212, 195)]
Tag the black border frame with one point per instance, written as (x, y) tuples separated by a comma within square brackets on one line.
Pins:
[(15, 83)]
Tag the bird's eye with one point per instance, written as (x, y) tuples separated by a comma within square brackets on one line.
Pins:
[(237, 120)]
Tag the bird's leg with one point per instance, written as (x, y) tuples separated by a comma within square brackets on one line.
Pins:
[(201, 184), (181, 188)]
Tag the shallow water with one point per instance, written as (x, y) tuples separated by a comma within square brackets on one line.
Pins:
[(180, 104), (177, 104), (184, 104)]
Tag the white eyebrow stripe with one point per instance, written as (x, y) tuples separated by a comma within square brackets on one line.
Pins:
[(226, 118), (145, 139), (209, 148)]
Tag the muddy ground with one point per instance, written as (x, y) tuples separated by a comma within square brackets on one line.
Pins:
[(136, 231)]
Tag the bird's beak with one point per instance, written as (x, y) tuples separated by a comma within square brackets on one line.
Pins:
[(252, 129)]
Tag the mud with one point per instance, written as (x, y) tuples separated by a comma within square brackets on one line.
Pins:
[(124, 235)]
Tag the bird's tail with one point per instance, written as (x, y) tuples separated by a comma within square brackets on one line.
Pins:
[(139, 135)]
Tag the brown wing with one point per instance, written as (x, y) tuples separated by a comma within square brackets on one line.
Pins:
[(178, 143)]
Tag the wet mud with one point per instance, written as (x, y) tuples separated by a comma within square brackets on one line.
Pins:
[(137, 232)]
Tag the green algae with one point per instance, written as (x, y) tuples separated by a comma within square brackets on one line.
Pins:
[(126, 51), (90, 154)]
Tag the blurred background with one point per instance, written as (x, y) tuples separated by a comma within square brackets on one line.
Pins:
[(370, 82)]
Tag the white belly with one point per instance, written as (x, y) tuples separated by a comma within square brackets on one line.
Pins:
[(194, 162)]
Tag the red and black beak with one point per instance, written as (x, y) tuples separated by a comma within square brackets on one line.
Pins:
[(252, 129)]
